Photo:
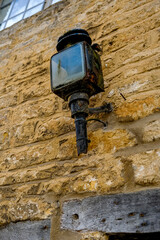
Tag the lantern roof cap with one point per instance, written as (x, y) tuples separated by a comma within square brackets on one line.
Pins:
[(73, 36)]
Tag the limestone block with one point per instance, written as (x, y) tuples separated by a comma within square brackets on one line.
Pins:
[(139, 13), (31, 174), (35, 109), (67, 147), (106, 141), (151, 131), (53, 127), (5, 115), (7, 192), (146, 167), (138, 108), (114, 42), (94, 236), (33, 208), (87, 174), (59, 148), (138, 84), (4, 138), (8, 100), (106, 176), (57, 186), (23, 133), (40, 87), (29, 156)]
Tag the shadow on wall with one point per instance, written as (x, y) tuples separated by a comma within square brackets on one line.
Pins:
[(136, 236)]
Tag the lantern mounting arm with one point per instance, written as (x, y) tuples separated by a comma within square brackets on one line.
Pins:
[(98, 120), (107, 108)]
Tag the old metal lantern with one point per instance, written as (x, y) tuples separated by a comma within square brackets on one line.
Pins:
[(77, 66), (76, 74)]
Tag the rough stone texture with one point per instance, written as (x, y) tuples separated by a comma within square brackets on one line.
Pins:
[(39, 166), (146, 167), (94, 236), (138, 108), (151, 131), (33, 208)]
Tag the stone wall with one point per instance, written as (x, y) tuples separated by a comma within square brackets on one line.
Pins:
[(39, 165)]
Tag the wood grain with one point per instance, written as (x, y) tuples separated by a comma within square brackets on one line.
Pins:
[(120, 213)]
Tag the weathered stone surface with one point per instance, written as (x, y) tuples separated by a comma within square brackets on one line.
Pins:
[(38, 156), (26, 156), (146, 167), (4, 116), (40, 88), (35, 130), (59, 148), (94, 236), (4, 138), (110, 141), (31, 174), (37, 230), (53, 127), (151, 131), (138, 108), (24, 133), (23, 209), (35, 109), (86, 174), (8, 100), (106, 177)]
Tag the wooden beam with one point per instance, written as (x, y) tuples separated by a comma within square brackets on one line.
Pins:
[(27, 230), (119, 213)]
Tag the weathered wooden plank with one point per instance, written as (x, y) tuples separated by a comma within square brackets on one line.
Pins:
[(120, 213), (35, 230)]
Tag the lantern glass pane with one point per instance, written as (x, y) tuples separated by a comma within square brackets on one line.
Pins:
[(68, 66)]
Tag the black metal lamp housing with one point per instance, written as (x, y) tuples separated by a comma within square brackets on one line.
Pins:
[(76, 74), (76, 67)]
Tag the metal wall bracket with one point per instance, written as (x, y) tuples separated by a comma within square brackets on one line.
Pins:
[(107, 108), (98, 120)]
